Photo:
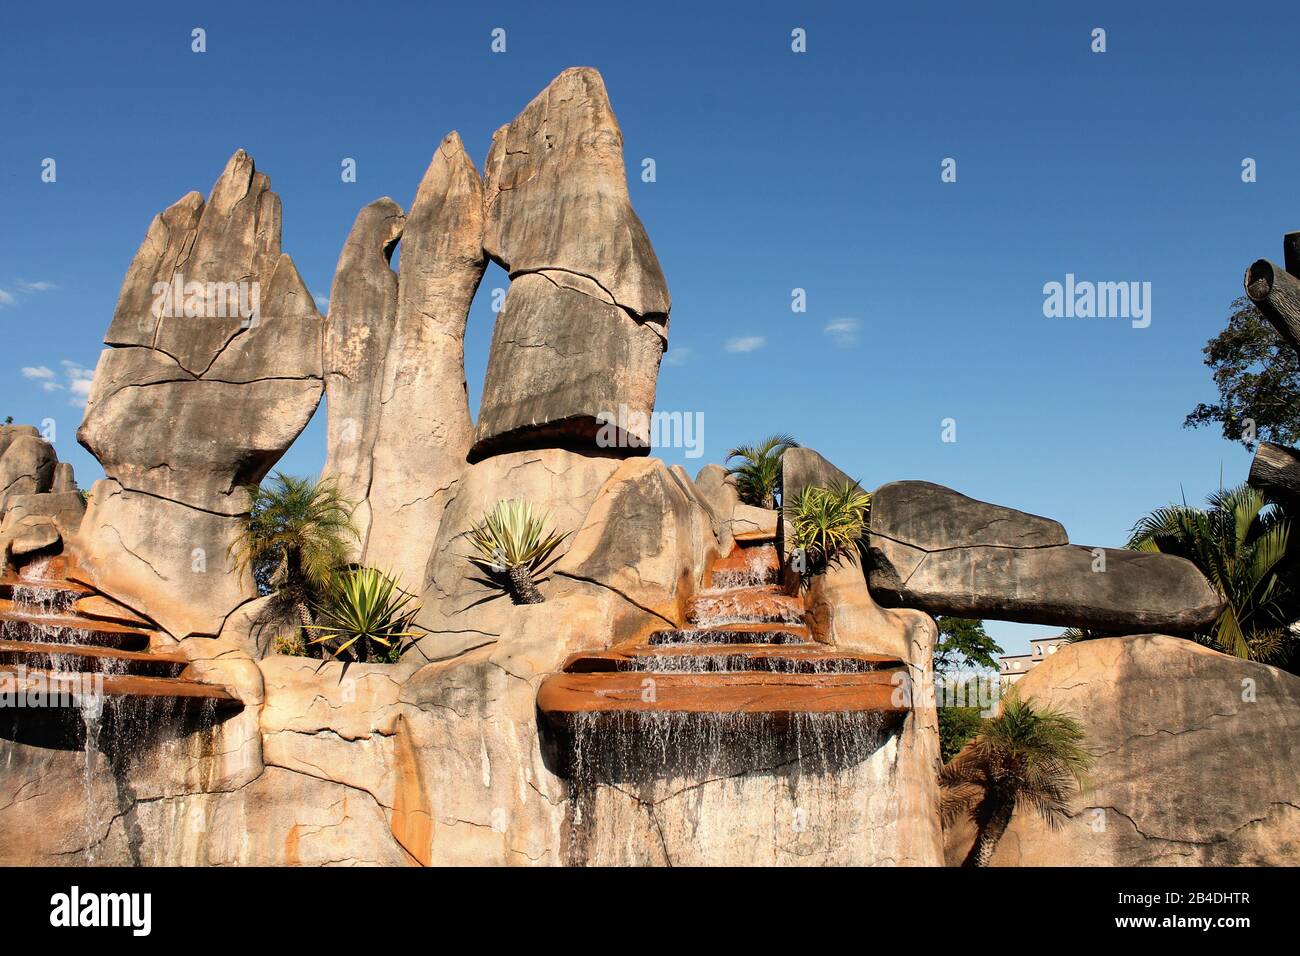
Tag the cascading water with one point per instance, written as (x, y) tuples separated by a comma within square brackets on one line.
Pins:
[(742, 696)]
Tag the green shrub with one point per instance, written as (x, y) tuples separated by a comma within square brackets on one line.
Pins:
[(828, 524), (513, 546), (364, 615)]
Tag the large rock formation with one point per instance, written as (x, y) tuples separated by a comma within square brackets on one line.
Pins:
[(585, 323), (934, 549), (1197, 760), (400, 427), (213, 369), (358, 331), (27, 463), (39, 503)]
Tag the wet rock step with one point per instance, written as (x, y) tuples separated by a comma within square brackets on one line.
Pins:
[(735, 634), (69, 629), (704, 658), (8, 582), (738, 605), (185, 692), (103, 609), (563, 697), (746, 567), (72, 657)]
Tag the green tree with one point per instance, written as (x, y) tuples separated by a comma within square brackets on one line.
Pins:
[(1026, 756), (299, 534), (963, 645), (1241, 543), (1258, 376), (758, 476)]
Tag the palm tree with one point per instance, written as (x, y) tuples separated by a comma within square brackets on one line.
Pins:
[(758, 477), (1025, 755), (299, 533), (1238, 543)]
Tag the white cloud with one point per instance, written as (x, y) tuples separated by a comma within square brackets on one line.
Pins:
[(80, 379), (322, 303), (77, 380), (747, 343), (843, 331), (679, 355), (23, 287)]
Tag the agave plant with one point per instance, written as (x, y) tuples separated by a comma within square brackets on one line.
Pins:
[(1025, 756), (513, 541), (365, 615), (1240, 543), (827, 524), (758, 476)]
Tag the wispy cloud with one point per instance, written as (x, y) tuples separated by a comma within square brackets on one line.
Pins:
[(843, 331), (679, 355), (80, 379), (77, 380), (322, 303), (23, 287), (747, 343)]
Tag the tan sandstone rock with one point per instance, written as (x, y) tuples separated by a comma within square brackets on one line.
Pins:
[(1197, 760), (214, 367), (585, 324)]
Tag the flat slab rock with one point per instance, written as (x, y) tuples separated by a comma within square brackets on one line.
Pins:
[(939, 551)]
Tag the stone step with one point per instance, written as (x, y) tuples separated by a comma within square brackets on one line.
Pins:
[(735, 634), (68, 657), (564, 697), (104, 609), (746, 567), (185, 692), (713, 658), (767, 604), (69, 629), (9, 581)]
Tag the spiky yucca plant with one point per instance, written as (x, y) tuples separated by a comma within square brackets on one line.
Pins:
[(361, 611), (513, 541), (1239, 543), (299, 532), (1025, 756), (758, 476), (827, 524)]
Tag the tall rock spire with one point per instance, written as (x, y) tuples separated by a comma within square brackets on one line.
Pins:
[(585, 323)]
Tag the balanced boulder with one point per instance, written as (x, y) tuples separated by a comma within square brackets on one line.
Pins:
[(576, 350), (942, 552)]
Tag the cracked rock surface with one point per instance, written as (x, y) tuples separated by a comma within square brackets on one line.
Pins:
[(585, 323), (1197, 760), (936, 550), (213, 369)]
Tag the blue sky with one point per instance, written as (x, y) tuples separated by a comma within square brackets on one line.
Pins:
[(775, 171)]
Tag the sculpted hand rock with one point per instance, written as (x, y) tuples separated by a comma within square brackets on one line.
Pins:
[(214, 367)]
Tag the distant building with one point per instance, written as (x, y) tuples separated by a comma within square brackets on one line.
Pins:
[(1012, 667)]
